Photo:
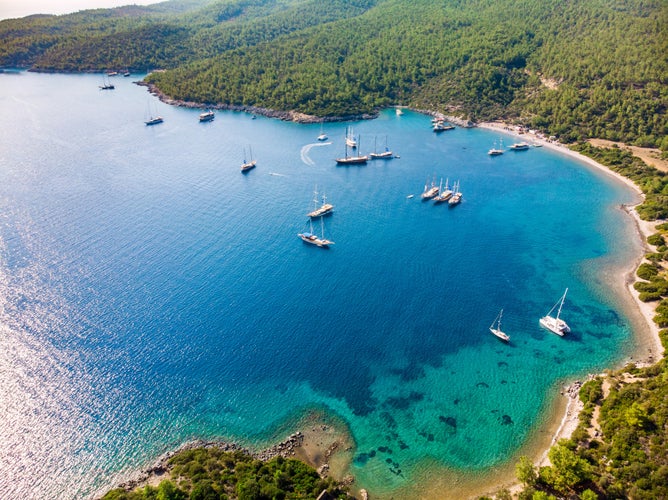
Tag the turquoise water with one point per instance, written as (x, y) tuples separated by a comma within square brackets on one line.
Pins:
[(150, 293)]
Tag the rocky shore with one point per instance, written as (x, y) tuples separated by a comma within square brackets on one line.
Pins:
[(161, 468), (291, 116)]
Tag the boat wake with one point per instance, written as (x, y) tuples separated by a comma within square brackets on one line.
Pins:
[(276, 174), (305, 150)]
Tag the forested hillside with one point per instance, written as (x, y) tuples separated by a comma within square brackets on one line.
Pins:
[(574, 69)]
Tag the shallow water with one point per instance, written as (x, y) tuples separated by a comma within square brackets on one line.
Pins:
[(150, 293)]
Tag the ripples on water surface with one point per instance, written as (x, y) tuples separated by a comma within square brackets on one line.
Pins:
[(150, 293)]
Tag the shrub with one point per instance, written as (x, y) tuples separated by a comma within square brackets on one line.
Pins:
[(647, 271)]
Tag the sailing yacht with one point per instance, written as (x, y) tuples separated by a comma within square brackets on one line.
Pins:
[(385, 155), (322, 136), (495, 328), (456, 198), (247, 165), (429, 191), (352, 160), (350, 138), (323, 209), (312, 239), (496, 151), (444, 194), (152, 119), (106, 84), (556, 324)]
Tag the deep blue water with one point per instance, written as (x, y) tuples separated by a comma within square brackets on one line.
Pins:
[(150, 293)]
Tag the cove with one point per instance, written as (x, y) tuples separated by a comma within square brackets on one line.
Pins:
[(152, 294)]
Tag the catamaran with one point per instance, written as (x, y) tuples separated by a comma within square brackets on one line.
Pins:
[(312, 239), (323, 209), (556, 324), (495, 328)]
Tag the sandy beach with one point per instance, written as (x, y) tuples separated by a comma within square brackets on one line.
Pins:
[(649, 348), (326, 444), (648, 334)]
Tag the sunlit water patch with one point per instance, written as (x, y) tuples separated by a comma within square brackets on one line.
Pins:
[(150, 293)]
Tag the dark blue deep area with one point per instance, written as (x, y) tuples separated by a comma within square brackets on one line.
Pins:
[(151, 293)]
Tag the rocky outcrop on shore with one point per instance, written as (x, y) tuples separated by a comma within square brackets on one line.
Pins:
[(161, 468)]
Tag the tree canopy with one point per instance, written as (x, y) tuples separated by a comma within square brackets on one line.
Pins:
[(574, 69)]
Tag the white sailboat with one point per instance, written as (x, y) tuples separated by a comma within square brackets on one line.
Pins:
[(152, 119), (322, 136), (496, 151), (321, 210), (556, 324), (456, 197), (429, 191), (444, 194), (247, 165), (312, 239), (495, 328), (350, 138), (385, 155)]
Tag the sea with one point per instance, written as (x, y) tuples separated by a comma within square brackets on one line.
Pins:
[(152, 294)]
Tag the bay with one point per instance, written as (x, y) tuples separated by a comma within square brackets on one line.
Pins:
[(150, 293)]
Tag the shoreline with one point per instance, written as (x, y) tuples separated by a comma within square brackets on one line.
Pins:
[(321, 443), (328, 449), (648, 336), (648, 347)]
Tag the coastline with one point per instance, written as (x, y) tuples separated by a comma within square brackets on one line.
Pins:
[(649, 349), (328, 449), (321, 443), (647, 336)]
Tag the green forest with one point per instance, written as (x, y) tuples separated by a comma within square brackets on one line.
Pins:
[(575, 70), (213, 474)]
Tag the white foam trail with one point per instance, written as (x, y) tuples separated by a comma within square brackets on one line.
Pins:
[(305, 150)]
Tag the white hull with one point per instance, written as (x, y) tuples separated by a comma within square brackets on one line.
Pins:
[(555, 325), (312, 239), (429, 193), (500, 334), (207, 116), (248, 166), (323, 210)]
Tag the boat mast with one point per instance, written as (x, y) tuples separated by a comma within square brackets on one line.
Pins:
[(561, 304)]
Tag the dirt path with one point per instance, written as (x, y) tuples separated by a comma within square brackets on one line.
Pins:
[(650, 156)]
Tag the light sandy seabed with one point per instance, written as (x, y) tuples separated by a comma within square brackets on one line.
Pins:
[(565, 408), (329, 447)]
